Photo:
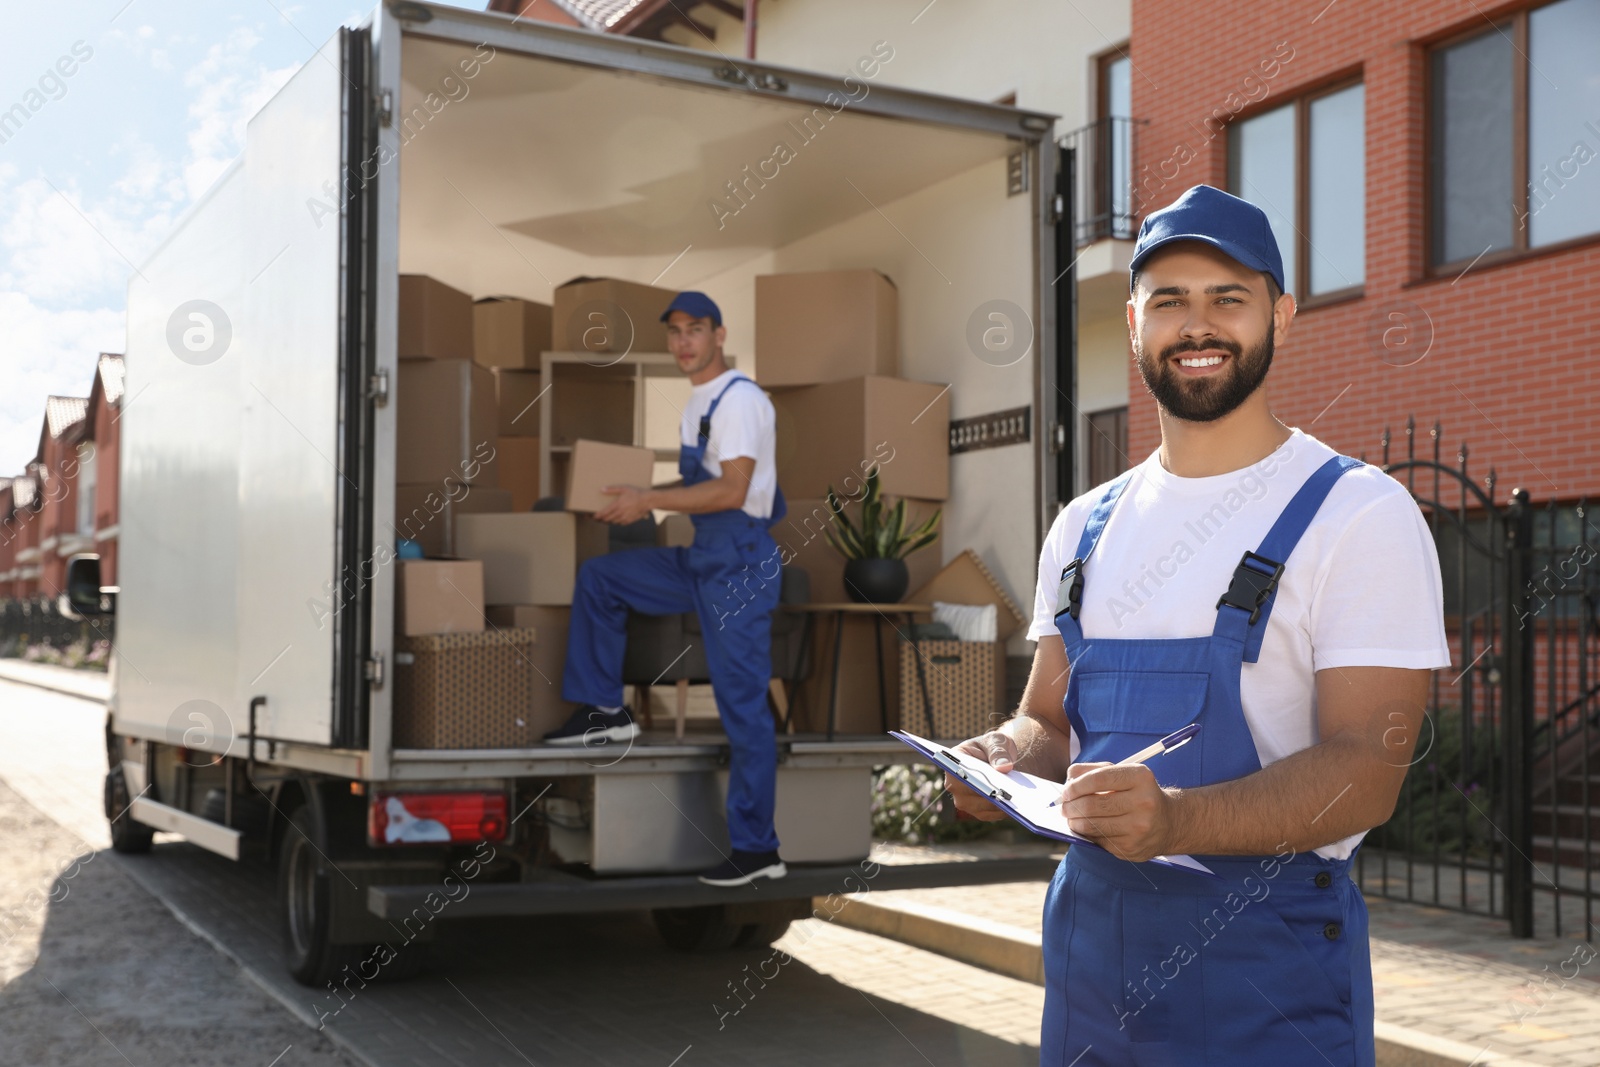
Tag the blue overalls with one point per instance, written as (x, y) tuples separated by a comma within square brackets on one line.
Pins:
[(730, 578), (1150, 966)]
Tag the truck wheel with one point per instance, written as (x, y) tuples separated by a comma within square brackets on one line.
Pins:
[(701, 929), (304, 905), (758, 935), (127, 836)]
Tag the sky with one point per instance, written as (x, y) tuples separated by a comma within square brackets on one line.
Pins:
[(132, 111)]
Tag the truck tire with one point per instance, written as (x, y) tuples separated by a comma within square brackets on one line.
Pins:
[(699, 929), (759, 935), (127, 836), (304, 907)]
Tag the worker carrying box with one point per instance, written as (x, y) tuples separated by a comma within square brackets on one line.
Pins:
[(729, 576)]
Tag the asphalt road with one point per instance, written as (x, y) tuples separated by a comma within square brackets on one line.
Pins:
[(199, 980)]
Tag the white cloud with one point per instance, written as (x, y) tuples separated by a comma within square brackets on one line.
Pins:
[(227, 95), (44, 352), (63, 274)]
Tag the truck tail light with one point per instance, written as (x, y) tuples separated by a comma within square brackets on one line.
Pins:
[(435, 818)]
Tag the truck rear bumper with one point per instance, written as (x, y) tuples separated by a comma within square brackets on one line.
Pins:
[(559, 893)]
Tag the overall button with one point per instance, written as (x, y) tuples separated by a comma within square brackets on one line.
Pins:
[(1323, 879), (1331, 931)]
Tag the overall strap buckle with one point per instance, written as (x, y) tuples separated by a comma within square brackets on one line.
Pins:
[(1072, 600), (1252, 585), (705, 427)]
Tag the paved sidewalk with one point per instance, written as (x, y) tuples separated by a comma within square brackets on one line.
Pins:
[(89, 685), (1450, 988)]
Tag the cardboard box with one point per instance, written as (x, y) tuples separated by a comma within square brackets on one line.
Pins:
[(517, 460), (426, 513), (596, 464), (530, 557), (832, 434), (965, 580), (517, 396), (435, 320), (609, 315), (507, 332), (802, 544), (445, 423), (593, 403), (676, 530), (546, 709), (467, 690), (826, 326), (966, 688), (438, 596)]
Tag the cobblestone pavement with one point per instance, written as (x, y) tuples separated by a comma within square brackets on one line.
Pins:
[(568, 990)]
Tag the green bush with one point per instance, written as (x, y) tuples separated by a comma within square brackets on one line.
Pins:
[(1446, 805), (910, 804)]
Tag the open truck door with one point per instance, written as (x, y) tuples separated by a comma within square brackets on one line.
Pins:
[(249, 437)]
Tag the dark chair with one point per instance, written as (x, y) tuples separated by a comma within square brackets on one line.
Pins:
[(669, 648)]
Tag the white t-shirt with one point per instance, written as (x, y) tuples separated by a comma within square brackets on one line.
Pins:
[(744, 425), (1362, 587)]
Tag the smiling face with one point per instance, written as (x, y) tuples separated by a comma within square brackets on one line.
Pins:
[(1203, 327)]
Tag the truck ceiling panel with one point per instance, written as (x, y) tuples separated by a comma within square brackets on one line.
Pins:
[(606, 164)]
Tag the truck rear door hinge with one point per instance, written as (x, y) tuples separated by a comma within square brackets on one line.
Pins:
[(375, 670), (378, 388), (1058, 437), (386, 107)]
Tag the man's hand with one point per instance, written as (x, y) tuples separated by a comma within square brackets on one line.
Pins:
[(994, 748), (1122, 808), (628, 506)]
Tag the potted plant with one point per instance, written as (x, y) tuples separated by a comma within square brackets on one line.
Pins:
[(875, 570)]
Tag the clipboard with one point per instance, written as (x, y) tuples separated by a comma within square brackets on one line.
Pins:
[(1027, 798)]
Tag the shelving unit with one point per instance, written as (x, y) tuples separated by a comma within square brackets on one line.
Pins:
[(635, 367)]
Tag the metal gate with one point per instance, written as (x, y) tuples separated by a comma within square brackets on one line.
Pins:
[(1495, 817)]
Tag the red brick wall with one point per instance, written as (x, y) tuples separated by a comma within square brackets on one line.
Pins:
[(58, 479), (1511, 369), (107, 460)]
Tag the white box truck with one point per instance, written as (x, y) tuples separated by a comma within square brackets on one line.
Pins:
[(255, 613)]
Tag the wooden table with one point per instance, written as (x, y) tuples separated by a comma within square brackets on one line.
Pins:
[(880, 612)]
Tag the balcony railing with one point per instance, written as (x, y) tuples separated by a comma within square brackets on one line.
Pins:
[(1104, 203)]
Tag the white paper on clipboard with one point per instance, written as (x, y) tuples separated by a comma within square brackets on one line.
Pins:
[(1027, 798)]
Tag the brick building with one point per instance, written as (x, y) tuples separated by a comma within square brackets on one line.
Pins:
[(98, 464), (1426, 168), (56, 468), (65, 502)]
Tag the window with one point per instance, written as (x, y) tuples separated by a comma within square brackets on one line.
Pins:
[(1304, 164), (1116, 113), (1108, 444), (85, 488), (1513, 135)]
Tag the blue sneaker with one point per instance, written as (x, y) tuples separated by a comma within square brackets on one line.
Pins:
[(590, 727), (742, 868)]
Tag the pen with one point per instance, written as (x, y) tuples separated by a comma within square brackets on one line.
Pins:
[(1176, 739)]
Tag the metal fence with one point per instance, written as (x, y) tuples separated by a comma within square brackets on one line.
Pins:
[(1104, 204), (1495, 817), (36, 621)]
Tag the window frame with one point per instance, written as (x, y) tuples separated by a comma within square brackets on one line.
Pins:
[(1301, 102), (1515, 25)]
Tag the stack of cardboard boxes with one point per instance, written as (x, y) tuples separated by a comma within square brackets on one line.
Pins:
[(482, 623), (827, 349)]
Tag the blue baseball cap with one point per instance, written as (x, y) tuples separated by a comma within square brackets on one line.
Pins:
[(1233, 226), (696, 305)]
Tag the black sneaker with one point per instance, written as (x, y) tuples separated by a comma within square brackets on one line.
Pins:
[(742, 868), (591, 727)]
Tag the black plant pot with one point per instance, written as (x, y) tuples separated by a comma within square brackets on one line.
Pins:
[(876, 581)]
